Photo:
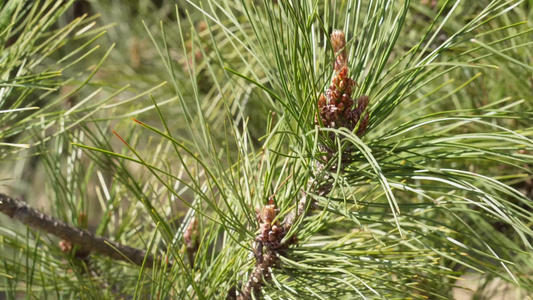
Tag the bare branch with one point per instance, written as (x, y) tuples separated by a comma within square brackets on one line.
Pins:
[(20, 211)]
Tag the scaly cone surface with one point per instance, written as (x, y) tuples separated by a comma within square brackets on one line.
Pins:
[(336, 107)]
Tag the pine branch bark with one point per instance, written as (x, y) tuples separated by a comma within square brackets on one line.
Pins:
[(22, 212)]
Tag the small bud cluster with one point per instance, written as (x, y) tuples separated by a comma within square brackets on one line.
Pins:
[(336, 107), (268, 244), (190, 236), (191, 233), (266, 249), (65, 246), (271, 232)]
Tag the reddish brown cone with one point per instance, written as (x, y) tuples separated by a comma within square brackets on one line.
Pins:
[(336, 107)]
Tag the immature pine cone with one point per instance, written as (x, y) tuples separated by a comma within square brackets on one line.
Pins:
[(337, 108)]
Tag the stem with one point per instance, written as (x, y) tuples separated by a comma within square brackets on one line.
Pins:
[(20, 211)]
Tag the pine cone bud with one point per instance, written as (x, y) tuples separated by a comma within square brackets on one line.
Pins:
[(338, 41), (336, 107)]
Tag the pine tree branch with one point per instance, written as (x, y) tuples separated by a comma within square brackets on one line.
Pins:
[(336, 110), (22, 212)]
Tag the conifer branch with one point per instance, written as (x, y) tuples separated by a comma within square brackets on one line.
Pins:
[(87, 241), (337, 109)]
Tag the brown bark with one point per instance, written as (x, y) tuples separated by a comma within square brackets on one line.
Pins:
[(87, 241)]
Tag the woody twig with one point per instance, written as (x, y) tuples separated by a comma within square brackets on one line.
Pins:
[(87, 241)]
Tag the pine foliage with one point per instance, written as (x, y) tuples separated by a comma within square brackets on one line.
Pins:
[(272, 149)]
